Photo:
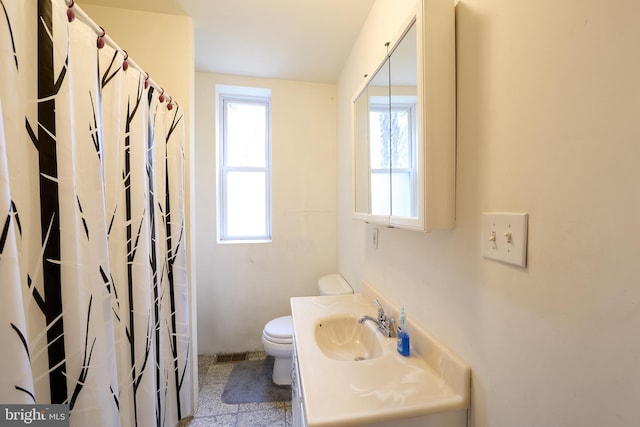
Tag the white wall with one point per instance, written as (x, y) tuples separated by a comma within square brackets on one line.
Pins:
[(243, 286), (548, 123)]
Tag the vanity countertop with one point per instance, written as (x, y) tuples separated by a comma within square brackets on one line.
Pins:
[(391, 386)]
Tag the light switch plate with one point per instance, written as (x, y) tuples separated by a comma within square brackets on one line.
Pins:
[(504, 237)]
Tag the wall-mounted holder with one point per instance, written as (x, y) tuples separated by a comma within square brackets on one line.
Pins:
[(504, 237)]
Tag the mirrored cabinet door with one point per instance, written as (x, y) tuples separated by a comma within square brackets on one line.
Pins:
[(371, 148), (404, 127)]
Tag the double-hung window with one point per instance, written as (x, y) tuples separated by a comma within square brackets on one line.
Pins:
[(393, 161), (244, 156)]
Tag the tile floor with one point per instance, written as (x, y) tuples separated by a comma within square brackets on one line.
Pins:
[(212, 412)]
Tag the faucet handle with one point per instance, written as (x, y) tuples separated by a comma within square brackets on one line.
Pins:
[(392, 326), (380, 310)]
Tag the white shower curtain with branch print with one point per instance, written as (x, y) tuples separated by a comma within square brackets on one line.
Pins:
[(93, 279)]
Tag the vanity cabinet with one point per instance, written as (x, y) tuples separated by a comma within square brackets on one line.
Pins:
[(297, 401), (404, 126)]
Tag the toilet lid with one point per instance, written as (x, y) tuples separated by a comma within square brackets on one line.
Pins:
[(333, 284), (280, 330)]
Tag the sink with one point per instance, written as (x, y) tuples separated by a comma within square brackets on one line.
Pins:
[(334, 388), (343, 338)]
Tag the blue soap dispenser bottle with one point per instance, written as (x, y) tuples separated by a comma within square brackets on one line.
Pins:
[(403, 336)]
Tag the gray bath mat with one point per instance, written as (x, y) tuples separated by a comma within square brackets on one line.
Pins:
[(250, 382)]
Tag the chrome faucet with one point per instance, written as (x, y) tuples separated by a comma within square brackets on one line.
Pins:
[(384, 322)]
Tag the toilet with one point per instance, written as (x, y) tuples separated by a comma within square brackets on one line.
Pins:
[(277, 336)]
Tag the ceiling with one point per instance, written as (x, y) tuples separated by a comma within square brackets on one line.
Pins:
[(307, 40)]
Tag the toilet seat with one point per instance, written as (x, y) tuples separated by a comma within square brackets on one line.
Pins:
[(277, 335), (279, 330)]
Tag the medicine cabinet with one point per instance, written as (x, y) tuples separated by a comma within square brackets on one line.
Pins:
[(404, 127)]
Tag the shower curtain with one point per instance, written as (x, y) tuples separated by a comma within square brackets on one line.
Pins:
[(94, 290)]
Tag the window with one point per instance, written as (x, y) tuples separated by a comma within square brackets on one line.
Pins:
[(392, 157), (244, 164)]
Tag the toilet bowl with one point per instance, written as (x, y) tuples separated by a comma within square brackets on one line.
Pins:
[(277, 335), (277, 340)]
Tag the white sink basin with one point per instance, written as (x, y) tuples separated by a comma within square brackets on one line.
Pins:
[(337, 391), (343, 338)]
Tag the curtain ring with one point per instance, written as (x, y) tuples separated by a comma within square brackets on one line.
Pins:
[(70, 14), (161, 97), (146, 81), (100, 40), (125, 64)]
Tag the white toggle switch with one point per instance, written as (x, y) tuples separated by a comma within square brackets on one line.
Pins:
[(511, 246)]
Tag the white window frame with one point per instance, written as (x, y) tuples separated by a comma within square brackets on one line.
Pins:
[(260, 96), (411, 171)]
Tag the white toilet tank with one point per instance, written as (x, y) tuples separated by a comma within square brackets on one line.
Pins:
[(333, 284)]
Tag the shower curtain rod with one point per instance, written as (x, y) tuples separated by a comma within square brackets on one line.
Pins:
[(76, 11)]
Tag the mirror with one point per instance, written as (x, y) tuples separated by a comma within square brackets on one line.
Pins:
[(371, 183), (393, 170), (386, 132), (403, 124)]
